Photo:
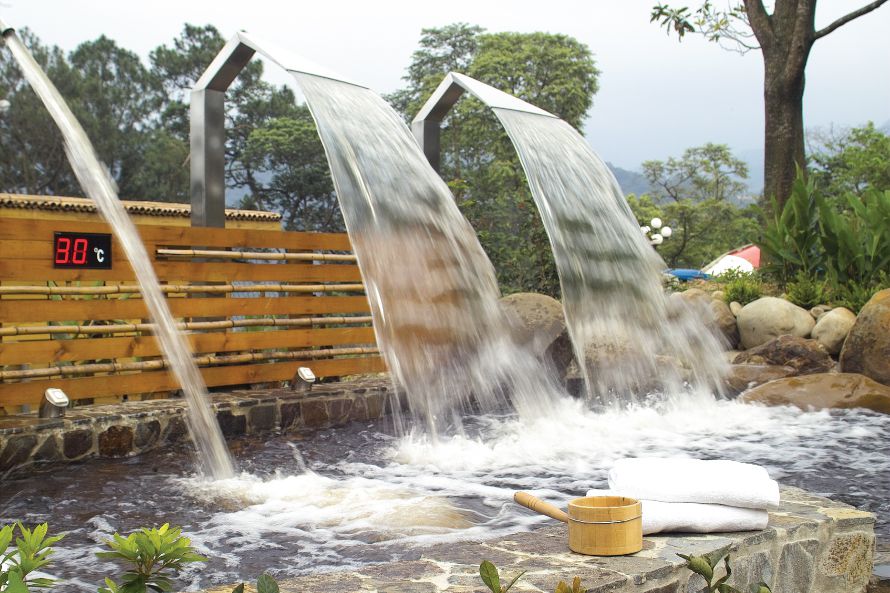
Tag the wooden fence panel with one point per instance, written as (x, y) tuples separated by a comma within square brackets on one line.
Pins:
[(302, 290)]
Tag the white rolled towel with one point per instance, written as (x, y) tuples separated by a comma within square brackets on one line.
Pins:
[(728, 483), (694, 517)]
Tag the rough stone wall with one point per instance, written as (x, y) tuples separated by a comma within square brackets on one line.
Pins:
[(132, 428)]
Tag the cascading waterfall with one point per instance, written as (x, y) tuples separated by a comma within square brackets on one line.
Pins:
[(213, 455), (432, 290), (631, 336)]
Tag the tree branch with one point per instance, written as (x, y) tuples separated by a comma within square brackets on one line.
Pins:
[(847, 18), (760, 22)]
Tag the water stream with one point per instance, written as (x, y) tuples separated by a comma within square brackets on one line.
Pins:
[(213, 455), (432, 290), (631, 337)]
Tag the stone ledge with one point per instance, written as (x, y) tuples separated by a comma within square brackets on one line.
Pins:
[(812, 544), (132, 428)]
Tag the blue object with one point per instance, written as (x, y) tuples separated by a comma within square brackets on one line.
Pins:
[(686, 274)]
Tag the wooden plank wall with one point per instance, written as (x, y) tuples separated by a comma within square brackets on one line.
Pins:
[(254, 319)]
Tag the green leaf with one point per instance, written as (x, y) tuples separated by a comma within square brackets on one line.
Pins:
[(16, 584), (266, 584), (490, 577)]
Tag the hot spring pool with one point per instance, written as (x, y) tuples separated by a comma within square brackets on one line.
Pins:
[(355, 495)]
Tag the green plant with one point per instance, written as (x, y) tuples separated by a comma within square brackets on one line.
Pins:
[(805, 291), (31, 552), (264, 584), (562, 587), (705, 566), (856, 243), (743, 288), (492, 579), (790, 241), (151, 555), (853, 295)]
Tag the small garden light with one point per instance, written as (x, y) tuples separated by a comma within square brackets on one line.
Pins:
[(660, 232)]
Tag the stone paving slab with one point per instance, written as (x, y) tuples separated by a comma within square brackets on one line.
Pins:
[(812, 545)]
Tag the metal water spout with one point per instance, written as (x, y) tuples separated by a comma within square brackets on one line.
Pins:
[(5, 29)]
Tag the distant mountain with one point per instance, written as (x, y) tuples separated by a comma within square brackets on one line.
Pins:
[(631, 182)]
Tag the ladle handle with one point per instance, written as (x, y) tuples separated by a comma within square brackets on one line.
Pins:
[(539, 506)]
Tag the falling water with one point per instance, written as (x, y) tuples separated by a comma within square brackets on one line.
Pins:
[(95, 181), (632, 337), (432, 290)]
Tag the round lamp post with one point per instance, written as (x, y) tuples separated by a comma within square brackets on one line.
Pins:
[(656, 232)]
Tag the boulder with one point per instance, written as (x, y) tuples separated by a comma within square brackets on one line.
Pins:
[(867, 348), (804, 356), (832, 328), (819, 310), (745, 376), (735, 307), (717, 295), (719, 318), (823, 390), (539, 323), (769, 317)]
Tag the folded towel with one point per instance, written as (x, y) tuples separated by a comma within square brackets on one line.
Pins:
[(694, 517), (727, 483)]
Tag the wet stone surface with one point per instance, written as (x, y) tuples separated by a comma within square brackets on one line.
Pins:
[(787, 556)]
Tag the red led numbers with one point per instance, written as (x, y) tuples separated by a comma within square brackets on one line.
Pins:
[(82, 250), (63, 250)]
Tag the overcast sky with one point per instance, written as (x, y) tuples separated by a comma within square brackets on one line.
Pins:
[(657, 96)]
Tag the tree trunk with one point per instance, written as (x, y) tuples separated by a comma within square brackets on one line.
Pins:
[(784, 137)]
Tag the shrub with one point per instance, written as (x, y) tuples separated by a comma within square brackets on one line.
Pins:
[(151, 555), (805, 291), (742, 287), (31, 552), (853, 295)]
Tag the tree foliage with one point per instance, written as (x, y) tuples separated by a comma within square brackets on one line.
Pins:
[(784, 37), (697, 195), (554, 72), (137, 117), (854, 160)]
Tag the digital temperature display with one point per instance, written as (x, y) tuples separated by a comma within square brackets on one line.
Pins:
[(90, 251)]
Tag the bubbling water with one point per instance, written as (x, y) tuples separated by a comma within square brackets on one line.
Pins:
[(370, 497), (213, 455)]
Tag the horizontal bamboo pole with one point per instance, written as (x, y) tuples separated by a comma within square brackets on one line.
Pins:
[(180, 288), (264, 255), (121, 328), (201, 361)]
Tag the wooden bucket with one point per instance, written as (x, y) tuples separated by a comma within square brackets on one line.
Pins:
[(598, 525)]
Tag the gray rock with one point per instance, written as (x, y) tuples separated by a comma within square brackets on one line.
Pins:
[(832, 328), (867, 348), (805, 356), (717, 315), (769, 317), (819, 310), (735, 307), (745, 376), (539, 323), (823, 390)]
